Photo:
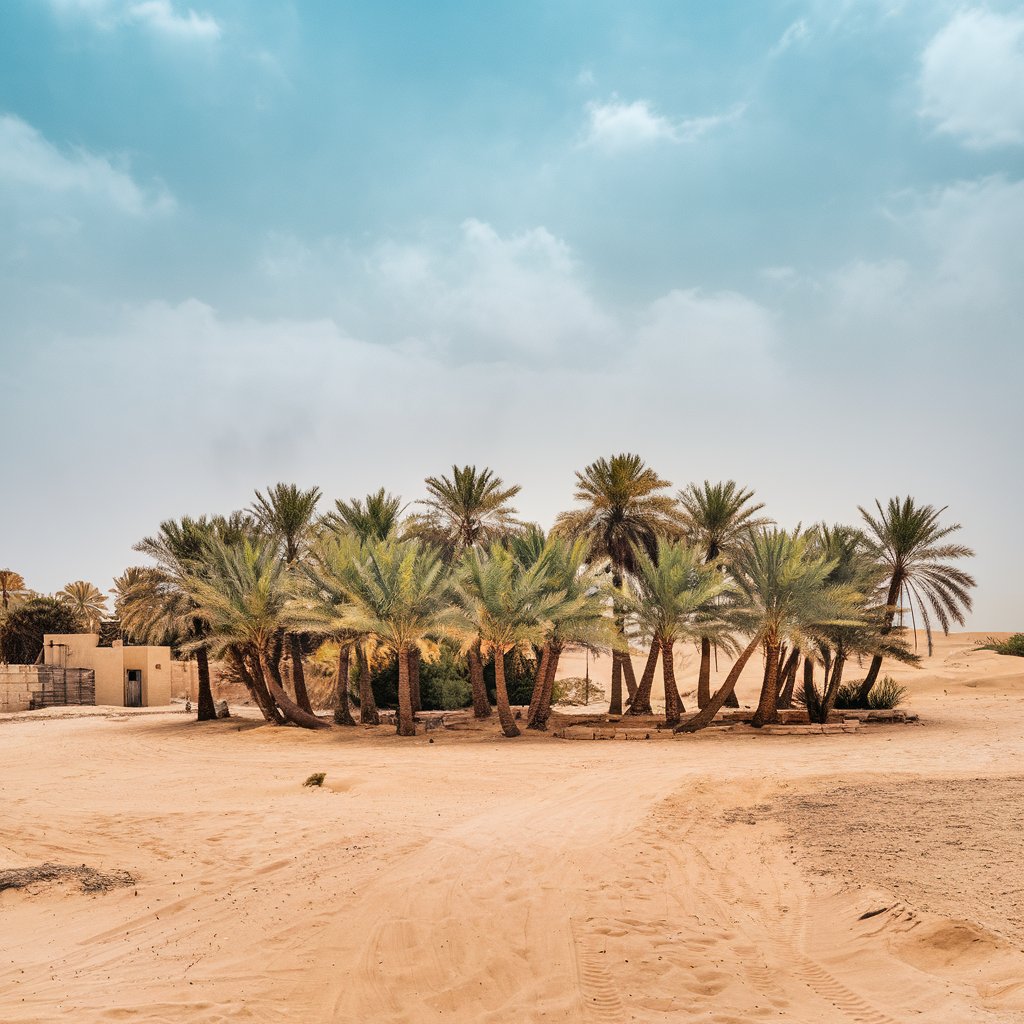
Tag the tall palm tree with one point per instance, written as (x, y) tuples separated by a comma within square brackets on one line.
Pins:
[(87, 601), (673, 599), (287, 513), (371, 518), (471, 507), (501, 605), (158, 606), (717, 518), (787, 596), (398, 593), (241, 595), (11, 584), (622, 513), (856, 568), (910, 542)]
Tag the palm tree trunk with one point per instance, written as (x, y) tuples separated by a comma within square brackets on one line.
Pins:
[(832, 689), (368, 713), (342, 711), (549, 686), (895, 585), (767, 707), (538, 686), (414, 679), (629, 676), (299, 674), (256, 687), (508, 723), (673, 702), (788, 679), (481, 705), (704, 675), (291, 711), (706, 715), (642, 700), (615, 704), (406, 723), (205, 708)]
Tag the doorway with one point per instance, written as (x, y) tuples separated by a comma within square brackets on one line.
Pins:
[(133, 688)]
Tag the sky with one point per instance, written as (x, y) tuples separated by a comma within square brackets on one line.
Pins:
[(350, 244)]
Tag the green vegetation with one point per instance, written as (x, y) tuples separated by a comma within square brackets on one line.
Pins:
[(1011, 645), (316, 779), (885, 695)]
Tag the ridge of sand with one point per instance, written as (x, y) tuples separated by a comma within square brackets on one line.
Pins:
[(720, 878)]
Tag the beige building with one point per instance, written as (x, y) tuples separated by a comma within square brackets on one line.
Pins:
[(131, 677)]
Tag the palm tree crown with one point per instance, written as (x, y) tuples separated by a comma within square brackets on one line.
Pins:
[(87, 602), (286, 512), (471, 507), (622, 510), (11, 584), (717, 517), (371, 518)]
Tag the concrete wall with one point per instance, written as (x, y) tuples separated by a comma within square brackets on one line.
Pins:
[(111, 664)]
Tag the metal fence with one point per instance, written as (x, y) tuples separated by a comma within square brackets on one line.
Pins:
[(58, 686)]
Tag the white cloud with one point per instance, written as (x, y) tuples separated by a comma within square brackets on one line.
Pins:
[(972, 79), (617, 125), (797, 33), (161, 17), (28, 160)]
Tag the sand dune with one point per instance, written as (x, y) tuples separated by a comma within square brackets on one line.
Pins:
[(715, 878)]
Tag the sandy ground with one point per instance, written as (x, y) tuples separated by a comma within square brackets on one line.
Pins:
[(712, 878)]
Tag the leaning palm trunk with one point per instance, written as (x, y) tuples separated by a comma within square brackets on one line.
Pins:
[(255, 685), (481, 705), (299, 674), (538, 686), (615, 703), (704, 675), (291, 711), (788, 679), (368, 713), (205, 708), (508, 723), (767, 707), (406, 722), (629, 675), (642, 699), (540, 721), (706, 715), (342, 711), (673, 702), (876, 662)]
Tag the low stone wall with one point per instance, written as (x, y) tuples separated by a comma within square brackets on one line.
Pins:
[(17, 684)]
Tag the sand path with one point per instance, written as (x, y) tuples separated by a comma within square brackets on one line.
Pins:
[(486, 880)]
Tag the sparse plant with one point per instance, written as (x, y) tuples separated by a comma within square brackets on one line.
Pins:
[(1011, 645), (316, 779)]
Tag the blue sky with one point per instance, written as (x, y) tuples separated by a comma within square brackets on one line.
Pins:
[(351, 243)]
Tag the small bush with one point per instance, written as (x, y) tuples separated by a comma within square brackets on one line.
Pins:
[(574, 691), (1013, 645), (846, 698), (886, 694), (316, 779)]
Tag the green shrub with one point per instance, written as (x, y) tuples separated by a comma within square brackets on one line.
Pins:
[(316, 779), (21, 634), (886, 694), (846, 698), (1012, 645)]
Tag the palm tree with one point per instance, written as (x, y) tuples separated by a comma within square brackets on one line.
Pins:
[(787, 596), (856, 568), (12, 584), (287, 513), (157, 605), (578, 613), (622, 514), (717, 518), (398, 592), (87, 602), (501, 605), (673, 600), (469, 508), (241, 596), (907, 539), (371, 518)]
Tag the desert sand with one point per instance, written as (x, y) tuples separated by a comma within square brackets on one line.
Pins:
[(460, 876)]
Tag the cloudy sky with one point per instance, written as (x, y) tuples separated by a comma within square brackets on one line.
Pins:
[(353, 243)]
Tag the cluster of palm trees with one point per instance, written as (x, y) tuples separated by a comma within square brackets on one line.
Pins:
[(630, 564)]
